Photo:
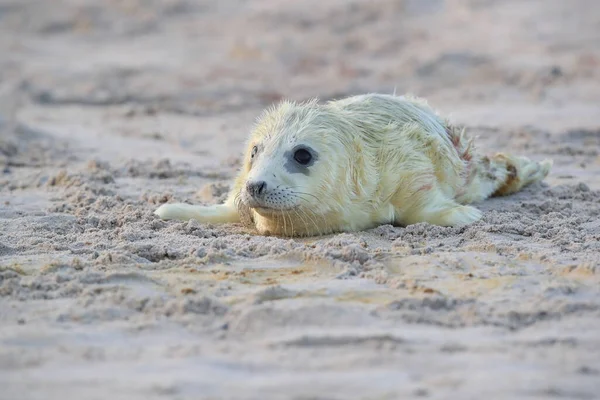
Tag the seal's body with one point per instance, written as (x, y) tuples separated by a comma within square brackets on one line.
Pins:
[(357, 163)]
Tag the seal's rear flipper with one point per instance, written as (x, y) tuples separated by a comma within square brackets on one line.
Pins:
[(500, 175), (521, 171), (212, 214)]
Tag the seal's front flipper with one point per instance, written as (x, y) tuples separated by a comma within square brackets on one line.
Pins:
[(445, 214), (458, 215), (222, 213), (432, 205)]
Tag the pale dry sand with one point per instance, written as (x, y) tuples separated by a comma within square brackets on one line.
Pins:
[(111, 108)]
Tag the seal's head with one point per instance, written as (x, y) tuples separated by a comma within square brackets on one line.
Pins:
[(295, 161)]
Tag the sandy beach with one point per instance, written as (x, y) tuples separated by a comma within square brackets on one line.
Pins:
[(109, 109)]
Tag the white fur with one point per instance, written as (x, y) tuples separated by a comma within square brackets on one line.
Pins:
[(382, 159)]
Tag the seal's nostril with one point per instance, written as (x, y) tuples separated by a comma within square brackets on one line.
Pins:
[(256, 189), (262, 185)]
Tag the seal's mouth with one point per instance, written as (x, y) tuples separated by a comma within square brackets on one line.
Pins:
[(267, 206)]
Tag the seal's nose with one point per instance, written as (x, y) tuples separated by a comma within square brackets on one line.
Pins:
[(256, 189)]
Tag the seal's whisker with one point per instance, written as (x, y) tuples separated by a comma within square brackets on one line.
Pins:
[(304, 209), (285, 219), (237, 200), (298, 196), (284, 224), (317, 229), (311, 220), (292, 226), (307, 194), (295, 191), (291, 234), (306, 212), (300, 218)]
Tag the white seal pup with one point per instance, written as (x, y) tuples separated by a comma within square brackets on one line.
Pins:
[(356, 163)]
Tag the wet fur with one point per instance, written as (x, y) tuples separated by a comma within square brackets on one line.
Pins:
[(383, 159)]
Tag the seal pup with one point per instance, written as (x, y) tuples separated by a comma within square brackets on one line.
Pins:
[(356, 163)]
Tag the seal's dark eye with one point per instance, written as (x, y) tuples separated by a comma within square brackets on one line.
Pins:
[(253, 153), (302, 156)]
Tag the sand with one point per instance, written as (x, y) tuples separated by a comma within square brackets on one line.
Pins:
[(109, 109)]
